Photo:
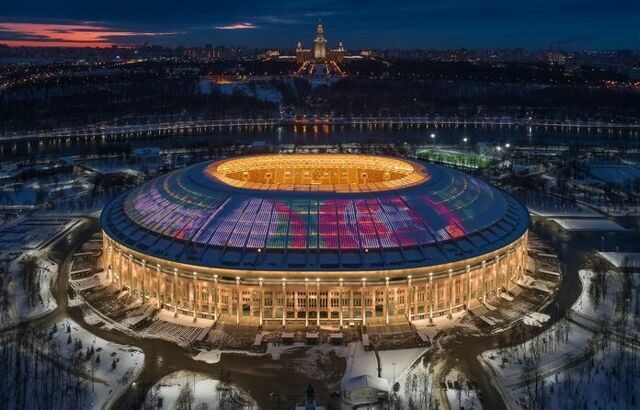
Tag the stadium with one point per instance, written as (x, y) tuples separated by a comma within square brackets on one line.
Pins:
[(319, 239)]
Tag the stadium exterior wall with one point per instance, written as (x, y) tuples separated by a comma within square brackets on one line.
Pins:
[(315, 297)]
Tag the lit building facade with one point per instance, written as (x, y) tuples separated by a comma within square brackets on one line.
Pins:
[(320, 52), (326, 239)]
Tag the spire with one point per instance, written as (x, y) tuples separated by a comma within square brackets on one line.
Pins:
[(319, 29)]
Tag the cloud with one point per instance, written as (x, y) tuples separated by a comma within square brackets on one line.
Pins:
[(65, 34), (237, 26)]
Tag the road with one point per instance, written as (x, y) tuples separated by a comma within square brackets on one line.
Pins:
[(180, 127), (462, 351), (259, 376)]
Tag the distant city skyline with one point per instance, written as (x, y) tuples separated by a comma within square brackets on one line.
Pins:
[(574, 24)]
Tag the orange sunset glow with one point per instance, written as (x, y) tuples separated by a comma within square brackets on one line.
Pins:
[(65, 35)]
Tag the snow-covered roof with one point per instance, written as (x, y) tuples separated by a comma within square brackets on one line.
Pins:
[(366, 381), (190, 216)]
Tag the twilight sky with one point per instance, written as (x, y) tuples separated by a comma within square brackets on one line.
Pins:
[(594, 24)]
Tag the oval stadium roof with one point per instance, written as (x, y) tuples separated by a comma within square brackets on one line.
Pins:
[(198, 217)]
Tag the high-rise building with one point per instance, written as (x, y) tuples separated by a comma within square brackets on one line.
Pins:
[(320, 53), (319, 44)]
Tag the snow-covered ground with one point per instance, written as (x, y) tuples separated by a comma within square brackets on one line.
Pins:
[(574, 364), (120, 165), (605, 307), (593, 311), (402, 366), (546, 205), (550, 350), (20, 304), (440, 323), (24, 246), (198, 390), (535, 319), (609, 380), (417, 389), (563, 213), (215, 355), (39, 190), (583, 224), (77, 369), (129, 361), (395, 364), (622, 259), (463, 397)]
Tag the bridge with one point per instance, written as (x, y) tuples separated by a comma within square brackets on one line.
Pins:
[(151, 129)]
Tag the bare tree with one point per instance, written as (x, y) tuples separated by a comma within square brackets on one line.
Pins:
[(185, 398)]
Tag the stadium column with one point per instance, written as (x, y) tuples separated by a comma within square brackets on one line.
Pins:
[(284, 302), (306, 304), (209, 297), (409, 299), (130, 272), (158, 284), (122, 278), (451, 293), (506, 263), (318, 302), (142, 274), (174, 285), (363, 300), (468, 286), (350, 304), (116, 266), (431, 297), (395, 300), (426, 299), (340, 302), (215, 297), (501, 271), (524, 257), (251, 293), (484, 286), (238, 300), (109, 262), (496, 267), (517, 261), (510, 268), (194, 299), (116, 263), (386, 300), (114, 270), (415, 300), (261, 302), (521, 257)]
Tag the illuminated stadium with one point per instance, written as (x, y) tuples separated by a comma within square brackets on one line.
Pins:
[(331, 239)]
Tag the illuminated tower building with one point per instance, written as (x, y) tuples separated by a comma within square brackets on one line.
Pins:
[(320, 58), (319, 44)]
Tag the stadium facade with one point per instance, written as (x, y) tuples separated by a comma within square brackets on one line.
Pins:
[(332, 239)]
